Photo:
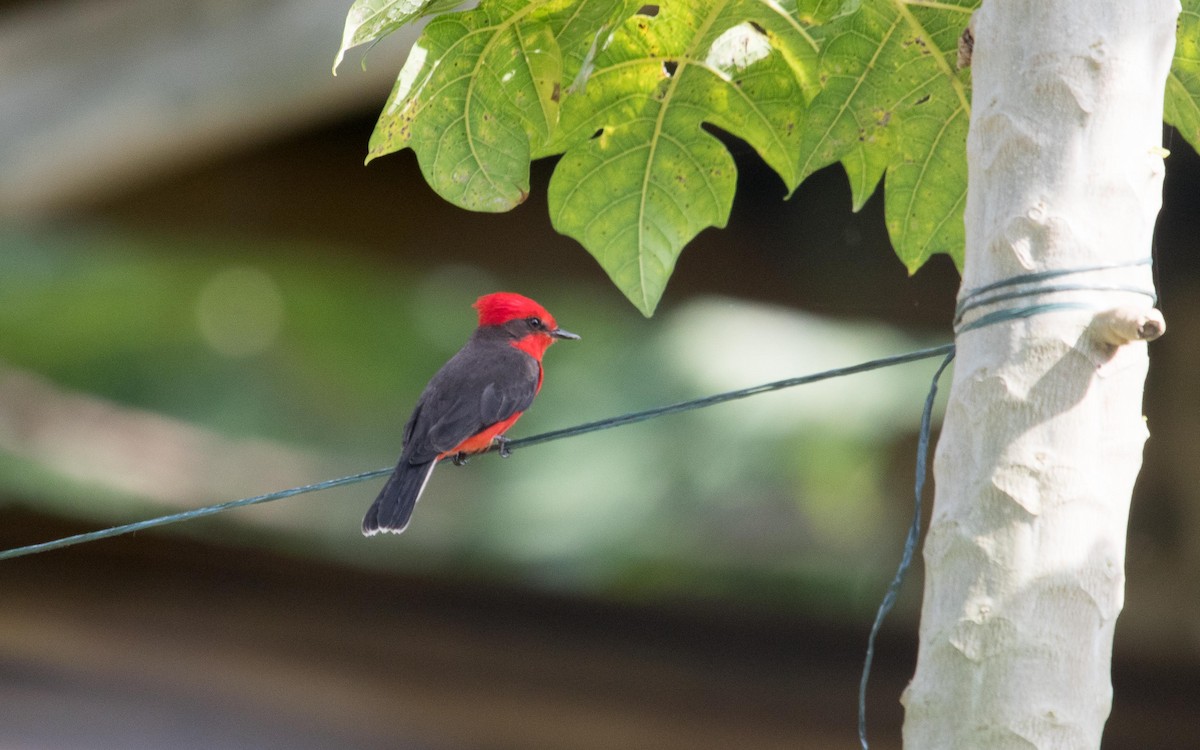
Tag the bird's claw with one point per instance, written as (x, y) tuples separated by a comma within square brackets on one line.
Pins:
[(460, 459), (502, 446)]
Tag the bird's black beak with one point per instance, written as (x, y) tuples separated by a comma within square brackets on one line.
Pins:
[(559, 333)]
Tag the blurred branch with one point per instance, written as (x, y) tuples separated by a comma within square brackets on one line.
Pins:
[(95, 94), (134, 451)]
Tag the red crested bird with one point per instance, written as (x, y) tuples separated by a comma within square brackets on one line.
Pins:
[(469, 403)]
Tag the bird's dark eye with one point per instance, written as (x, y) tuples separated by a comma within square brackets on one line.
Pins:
[(534, 322)]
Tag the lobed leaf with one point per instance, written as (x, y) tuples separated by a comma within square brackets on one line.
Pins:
[(626, 91), (476, 98), (892, 103), (641, 176)]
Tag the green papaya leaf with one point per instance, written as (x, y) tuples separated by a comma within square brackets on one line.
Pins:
[(632, 94), (368, 20), (927, 184), (640, 176), (1183, 84), (476, 97), (892, 102)]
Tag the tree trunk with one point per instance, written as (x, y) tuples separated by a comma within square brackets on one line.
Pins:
[(1044, 430)]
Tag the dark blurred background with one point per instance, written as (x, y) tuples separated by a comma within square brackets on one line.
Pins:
[(205, 295)]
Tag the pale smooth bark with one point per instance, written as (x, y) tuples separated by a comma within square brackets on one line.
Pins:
[(1043, 431)]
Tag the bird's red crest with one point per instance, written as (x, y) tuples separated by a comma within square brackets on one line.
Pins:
[(498, 308)]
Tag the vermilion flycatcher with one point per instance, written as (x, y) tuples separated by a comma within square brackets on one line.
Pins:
[(477, 395)]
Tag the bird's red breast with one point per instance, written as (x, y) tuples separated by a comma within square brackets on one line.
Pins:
[(481, 441)]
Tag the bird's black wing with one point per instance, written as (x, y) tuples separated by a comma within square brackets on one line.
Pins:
[(481, 385)]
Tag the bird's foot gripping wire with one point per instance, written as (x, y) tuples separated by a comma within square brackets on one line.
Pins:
[(502, 443), (460, 459)]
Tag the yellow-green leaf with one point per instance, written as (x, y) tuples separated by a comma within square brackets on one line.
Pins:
[(892, 102), (1183, 83)]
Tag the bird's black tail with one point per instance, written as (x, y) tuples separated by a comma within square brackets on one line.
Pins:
[(393, 508)]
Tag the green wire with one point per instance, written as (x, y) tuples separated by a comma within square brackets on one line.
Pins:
[(602, 424)]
